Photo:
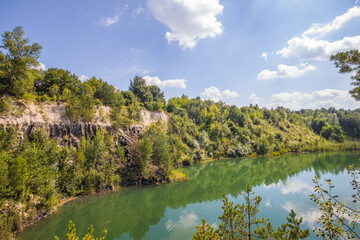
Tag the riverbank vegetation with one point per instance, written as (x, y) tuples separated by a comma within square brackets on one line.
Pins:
[(37, 172)]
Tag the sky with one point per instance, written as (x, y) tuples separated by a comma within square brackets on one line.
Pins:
[(271, 53)]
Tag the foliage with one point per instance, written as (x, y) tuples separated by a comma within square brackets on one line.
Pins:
[(205, 232), (338, 219), (71, 235), (18, 63), (160, 149), (37, 173), (348, 62), (150, 96), (55, 81), (240, 222)]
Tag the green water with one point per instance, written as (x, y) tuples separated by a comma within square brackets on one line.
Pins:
[(171, 211)]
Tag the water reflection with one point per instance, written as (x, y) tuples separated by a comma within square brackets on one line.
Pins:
[(171, 211)]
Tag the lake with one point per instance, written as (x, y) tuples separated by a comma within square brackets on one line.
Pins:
[(171, 211)]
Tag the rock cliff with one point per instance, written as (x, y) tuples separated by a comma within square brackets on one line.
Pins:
[(51, 117)]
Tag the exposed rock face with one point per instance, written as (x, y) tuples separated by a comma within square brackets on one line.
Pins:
[(126, 137), (51, 117), (148, 117)]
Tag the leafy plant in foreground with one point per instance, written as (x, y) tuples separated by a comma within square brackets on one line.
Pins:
[(71, 235), (240, 222), (338, 220)]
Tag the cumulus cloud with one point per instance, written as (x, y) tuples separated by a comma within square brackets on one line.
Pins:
[(185, 222), (188, 20), (296, 186), (309, 46), (264, 55), (254, 99), (317, 99), (171, 83), (309, 216), (83, 78), (284, 71), (112, 20), (337, 23), (213, 93)]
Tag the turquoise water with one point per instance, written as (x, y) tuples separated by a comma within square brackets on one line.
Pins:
[(171, 211)]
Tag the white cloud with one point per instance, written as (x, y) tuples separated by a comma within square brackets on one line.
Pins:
[(83, 78), (284, 71), (268, 203), (185, 222), (264, 55), (139, 10), (188, 20), (112, 20), (213, 93), (254, 99), (309, 216), (337, 23), (171, 83), (309, 48), (229, 94), (323, 98), (296, 186)]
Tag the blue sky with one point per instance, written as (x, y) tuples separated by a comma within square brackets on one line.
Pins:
[(262, 52)]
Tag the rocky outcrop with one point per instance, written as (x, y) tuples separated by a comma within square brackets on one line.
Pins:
[(50, 117), (148, 117)]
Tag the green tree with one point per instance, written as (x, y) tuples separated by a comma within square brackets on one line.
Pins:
[(333, 132), (239, 221), (55, 81), (205, 232), (146, 151), (18, 175), (338, 219), (141, 90), (71, 235), (150, 96), (17, 63), (161, 149), (4, 183), (291, 230), (80, 104), (158, 98), (348, 62)]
